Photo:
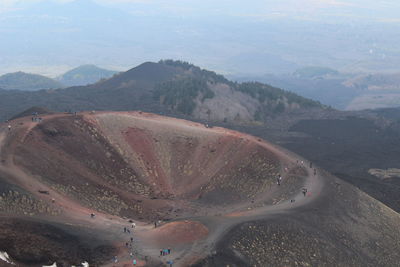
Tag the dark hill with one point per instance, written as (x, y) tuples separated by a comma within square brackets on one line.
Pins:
[(85, 74), (327, 233), (146, 74), (168, 87), (27, 82), (32, 110)]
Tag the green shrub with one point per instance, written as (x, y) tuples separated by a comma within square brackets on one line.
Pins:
[(180, 94)]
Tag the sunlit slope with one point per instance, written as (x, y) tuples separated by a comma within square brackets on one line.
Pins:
[(139, 165)]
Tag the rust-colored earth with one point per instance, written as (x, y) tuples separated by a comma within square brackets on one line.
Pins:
[(129, 168), (178, 233)]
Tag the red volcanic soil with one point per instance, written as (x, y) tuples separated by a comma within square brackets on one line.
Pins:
[(143, 167), (144, 145), (184, 160), (177, 233), (209, 183)]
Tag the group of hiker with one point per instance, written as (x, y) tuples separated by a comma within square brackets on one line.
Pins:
[(35, 117), (164, 252), (304, 190), (128, 244)]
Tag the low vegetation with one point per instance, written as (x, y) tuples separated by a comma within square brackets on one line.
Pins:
[(180, 94)]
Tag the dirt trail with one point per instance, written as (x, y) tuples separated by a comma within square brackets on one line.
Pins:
[(146, 238), (219, 225)]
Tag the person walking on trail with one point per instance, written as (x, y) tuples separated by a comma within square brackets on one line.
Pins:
[(279, 179), (9, 127), (310, 165), (304, 191), (155, 224)]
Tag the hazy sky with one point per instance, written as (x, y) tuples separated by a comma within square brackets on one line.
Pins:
[(230, 36), (381, 10)]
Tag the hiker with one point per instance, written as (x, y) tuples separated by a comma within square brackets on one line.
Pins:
[(155, 224), (133, 225), (134, 262), (9, 127), (124, 229), (131, 239), (279, 179), (310, 165), (92, 215), (292, 200), (161, 252), (126, 244), (169, 251), (129, 231), (115, 259), (304, 191)]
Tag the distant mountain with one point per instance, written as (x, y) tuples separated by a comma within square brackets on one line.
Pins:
[(168, 87), (346, 91), (314, 72), (375, 82), (329, 89), (27, 82), (85, 74)]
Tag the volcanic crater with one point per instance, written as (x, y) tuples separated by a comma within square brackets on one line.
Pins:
[(141, 166), (128, 184)]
